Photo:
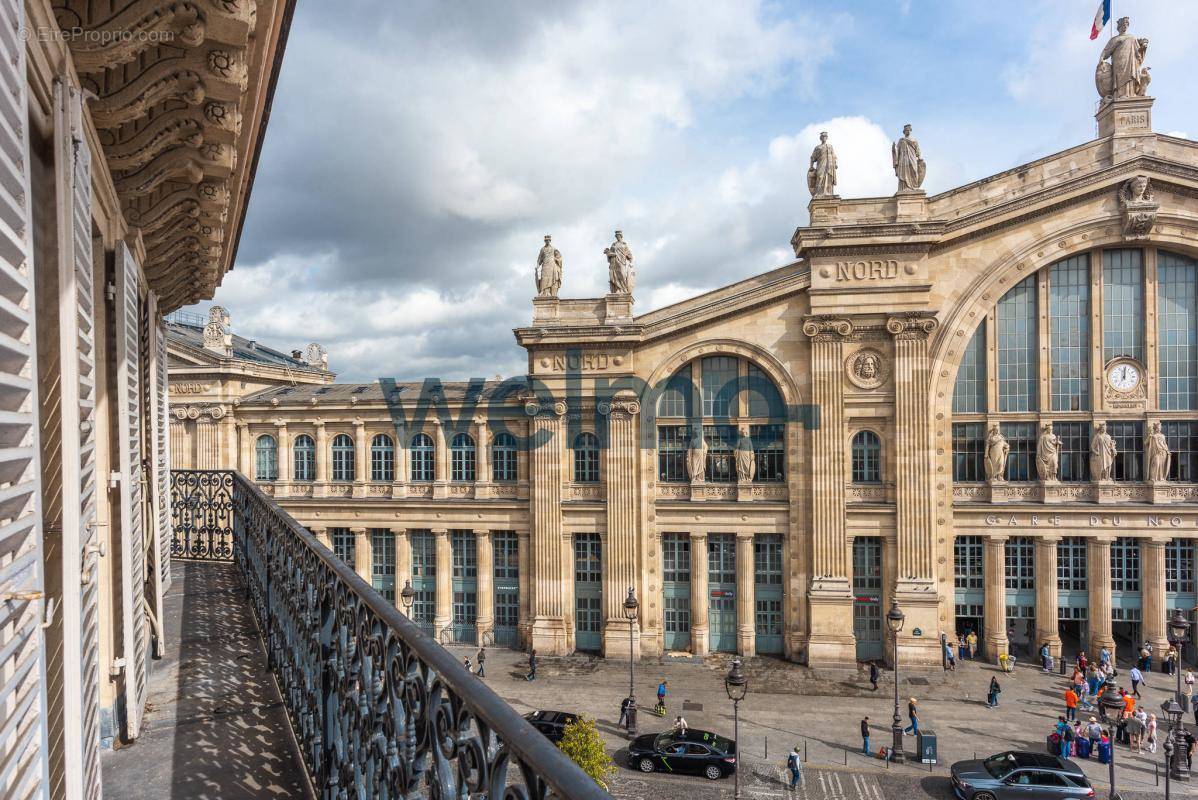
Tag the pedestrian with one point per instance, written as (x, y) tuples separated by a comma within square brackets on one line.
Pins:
[(1081, 661), (1094, 732), (680, 725), (481, 659), (1187, 685), (913, 715), (532, 666), (1129, 703), (661, 698), (950, 660), (1045, 658), (1189, 742), (1135, 730), (1137, 678), (1062, 730), (625, 704), (466, 662), (972, 642), (992, 695), (1070, 704), (1104, 657), (865, 735), (1171, 660), (795, 765), (1150, 733), (873, 675), (962, 647)]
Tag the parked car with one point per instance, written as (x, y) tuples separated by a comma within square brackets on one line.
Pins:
[(1020, 775), (695, 752), (551, 723)]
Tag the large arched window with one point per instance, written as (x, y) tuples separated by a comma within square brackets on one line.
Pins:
[(503, 458), (343, 458), (461, 458), (867, 457), (711, 397), (586, 458), (422, 458), (305, 458), (266, 459), (382, 458)]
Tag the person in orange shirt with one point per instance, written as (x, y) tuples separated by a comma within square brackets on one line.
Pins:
[(1129, 703), (1070, 704)]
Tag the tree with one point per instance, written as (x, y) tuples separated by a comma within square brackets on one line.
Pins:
[(581, 742)]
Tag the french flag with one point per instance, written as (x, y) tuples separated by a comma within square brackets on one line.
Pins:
[(1101, 17)]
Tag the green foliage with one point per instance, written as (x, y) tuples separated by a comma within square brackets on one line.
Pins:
[(582, 743)]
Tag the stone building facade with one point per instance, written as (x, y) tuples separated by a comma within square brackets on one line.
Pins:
[(948, 401)]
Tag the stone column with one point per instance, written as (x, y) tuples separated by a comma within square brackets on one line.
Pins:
[(1048, 629), (623, 531), (361, 459), (523, 557), (323, 457), (831, 641), (746, 606), (440, 460), (443, 616), (1098, 578), (915, 486), (245, 452), (399, 487), (482, 459), (486, 586), (1152, 589), (700, 600), (362, 553), (403, 563), (548, 600), (322, 535), (284, 450), (995, 620)]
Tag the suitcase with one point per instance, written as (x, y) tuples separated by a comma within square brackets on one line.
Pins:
[(1104, 752), (1083, 748)]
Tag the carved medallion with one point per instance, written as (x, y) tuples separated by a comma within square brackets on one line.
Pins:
[(867, 368)]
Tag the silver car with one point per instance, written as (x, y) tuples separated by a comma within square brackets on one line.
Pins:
[(1020, 775)]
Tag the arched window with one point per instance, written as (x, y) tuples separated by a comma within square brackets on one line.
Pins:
[(867, 458), (382, 458), (343, 458), (305, 458), (266, 461), (503, 458), (422, 458), (586, 458), (461, 458)]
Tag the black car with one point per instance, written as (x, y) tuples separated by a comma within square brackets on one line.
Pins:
[(551, 723), (694, 753), (1017, 775)]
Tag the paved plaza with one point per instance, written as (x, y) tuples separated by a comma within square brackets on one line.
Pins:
[(788, 705)]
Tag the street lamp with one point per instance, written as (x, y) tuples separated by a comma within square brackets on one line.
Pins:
[(631, 607), (1178, 630), (737, 686), (894, 621), (407, 596), (1109, 707), (1168, 760)]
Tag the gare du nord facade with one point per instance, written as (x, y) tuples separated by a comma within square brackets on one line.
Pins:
[(1061, 293)]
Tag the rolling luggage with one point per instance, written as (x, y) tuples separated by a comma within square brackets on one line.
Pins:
[(1083, 748), (1104, 752)]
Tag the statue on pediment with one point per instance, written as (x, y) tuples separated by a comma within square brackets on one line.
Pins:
[(549, 269), (821, 174), (696, 458), (746, 461), (997, 449), (1048, 454), (909, 166), (1156, 453), (1121, 72), (1102, 454), (621, 276)]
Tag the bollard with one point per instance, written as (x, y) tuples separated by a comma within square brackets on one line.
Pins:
[(804, 750), (767, 748), (1156, 769), (846, 756)]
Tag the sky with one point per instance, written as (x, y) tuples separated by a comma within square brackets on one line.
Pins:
[(418, 151)]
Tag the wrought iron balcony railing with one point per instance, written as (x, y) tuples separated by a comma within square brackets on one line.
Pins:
[(379, 709)]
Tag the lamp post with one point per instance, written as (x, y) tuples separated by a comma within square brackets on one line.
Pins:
[(406, 596), (894, 621), (1178, 630), (1110, 702), (737, 686), (631, 607), (1168, 760)]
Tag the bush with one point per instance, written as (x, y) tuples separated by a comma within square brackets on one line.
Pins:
[(582, 743)]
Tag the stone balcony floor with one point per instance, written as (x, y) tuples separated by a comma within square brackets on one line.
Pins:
[(214, 727)]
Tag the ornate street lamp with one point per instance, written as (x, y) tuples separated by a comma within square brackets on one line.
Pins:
[(894, 621), (1178, 632), (407, 596), (737, 686), (1168, 760), (631, 608), (1109, 707)]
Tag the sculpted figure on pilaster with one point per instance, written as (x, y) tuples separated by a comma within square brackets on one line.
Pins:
[(621, 276), (549, 269), (823, 328), (1156, 453), (1102, 454), (1124, 74), (1048, 454), (997, 449), (821, 175), (909, 166), (746, 463), (915, 325), (696, 458)]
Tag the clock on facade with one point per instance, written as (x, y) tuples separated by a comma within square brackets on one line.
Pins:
[(1123, 375)]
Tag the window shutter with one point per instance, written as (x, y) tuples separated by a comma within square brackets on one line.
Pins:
[(160, 463), (133, 531), (80, 539), (23, 741)]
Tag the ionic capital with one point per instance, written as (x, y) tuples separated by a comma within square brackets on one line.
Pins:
[(822, 327), (912, 325)]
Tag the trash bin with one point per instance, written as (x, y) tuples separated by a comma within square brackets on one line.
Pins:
[(925, 744)]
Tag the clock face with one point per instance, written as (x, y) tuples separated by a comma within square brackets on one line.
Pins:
[(1124, 377)]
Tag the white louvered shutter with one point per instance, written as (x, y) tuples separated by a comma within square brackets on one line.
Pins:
[(23, 740), (158, 444), (128, 403), (77, 406)]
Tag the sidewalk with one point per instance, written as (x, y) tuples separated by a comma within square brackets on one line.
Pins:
[(786, 706)]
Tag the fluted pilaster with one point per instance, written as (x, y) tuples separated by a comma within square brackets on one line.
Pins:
[(746, 606), (621, 567), (548, 560), (1152, 587), (699, 594), (1098, 578), (1047, 615), (486, 584), (995, 620), (443, 616)]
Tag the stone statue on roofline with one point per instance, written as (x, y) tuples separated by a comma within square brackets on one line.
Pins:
[(696, 458), (1156, 453), (621, 275), (549, 269), (909, 166), (746, 461), (821, 174), (1121, 72), (997, 449), (1048, 454), (1102, 454)]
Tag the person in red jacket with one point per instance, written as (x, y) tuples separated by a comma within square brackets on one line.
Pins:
[(1070, 704)]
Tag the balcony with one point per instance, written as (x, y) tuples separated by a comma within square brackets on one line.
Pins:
[(286, 673)]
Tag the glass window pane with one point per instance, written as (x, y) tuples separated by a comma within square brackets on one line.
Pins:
[(1182, 436), (1129, 449), (1122, 304), (969, 445), (969, 394), (720, 385), (1069, 333), (675, 400), (1021, 460), (1075, 450), (1177, 318), (1016, 326)]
